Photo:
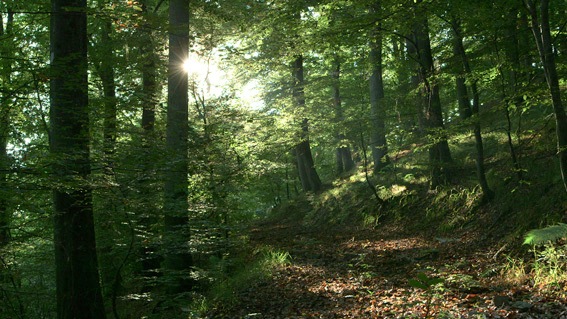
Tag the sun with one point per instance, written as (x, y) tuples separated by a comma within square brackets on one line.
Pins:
[(208, 78), (187, 65)]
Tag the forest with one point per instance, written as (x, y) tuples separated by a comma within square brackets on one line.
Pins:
[(283, 159)]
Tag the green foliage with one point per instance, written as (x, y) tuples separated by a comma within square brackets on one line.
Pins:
[(429, 285), (546, 235), (243, 273), (424, 282)]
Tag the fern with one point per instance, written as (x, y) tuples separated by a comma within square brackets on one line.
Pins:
[(547, 234)]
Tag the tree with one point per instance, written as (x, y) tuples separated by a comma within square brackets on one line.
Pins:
[(148, 217), (177, 258), (465, 105), (344, 161), (5, 107), (310, 180), (439, 153), (378, 137), (539, 15), (77, 276)]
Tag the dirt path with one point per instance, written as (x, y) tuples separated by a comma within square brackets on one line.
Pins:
[(366, 274)]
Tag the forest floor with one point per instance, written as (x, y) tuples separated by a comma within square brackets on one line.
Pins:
[(366, 273)]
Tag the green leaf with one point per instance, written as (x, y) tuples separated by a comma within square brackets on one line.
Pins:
[(423, 277), (547, 234), (417, 284), (137, 8), (435, 281)]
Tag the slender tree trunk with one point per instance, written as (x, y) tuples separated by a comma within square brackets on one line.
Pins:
[(344, 161), (106, 71), (378, 142), (544, 41), (104, 61), (413, 85), (310, 180), (439, 153), (178, 260), (77, 276), (464, 104), (511, 89), (5, 107), (148, 217), (149, 65)]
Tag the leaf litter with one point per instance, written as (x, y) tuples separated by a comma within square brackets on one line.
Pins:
[(365, 273)]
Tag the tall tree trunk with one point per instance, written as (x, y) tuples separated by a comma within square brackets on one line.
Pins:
[(464, 104), (104, 61), (149, 65), (148, 218), (378, 142), (413, 84), (511, 89), (544, 41), (439, 153), (310, 180), (178, 260), (5, 107), (77, 276), (344, 161), (106, 70)]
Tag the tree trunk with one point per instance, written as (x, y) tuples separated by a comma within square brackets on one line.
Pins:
[(544, 41), (149, 65), (310, 180), (378, 142), (5, 107), (177, 257), (148, 218), (104, 61), (77, 276), (511, 73), (344, 161), (106, 71), (439, 153), (464, 104)]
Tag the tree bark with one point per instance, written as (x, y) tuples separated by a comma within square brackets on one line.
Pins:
[(310, 180), (149, 65), (5, 107), (378, 142), (464, 104), (511, 73), (439, 154), (106, 71), (544, 41), (344, 161), (177, 257), (150, 257), (77, 276)]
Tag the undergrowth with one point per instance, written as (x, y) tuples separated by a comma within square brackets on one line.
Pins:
[(248, 268)]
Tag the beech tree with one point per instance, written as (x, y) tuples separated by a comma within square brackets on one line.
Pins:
[(77, 276), (378, 142), (539, 16), (177, 258), (310, 180), (6, 32), (467, 110), (439, 153)]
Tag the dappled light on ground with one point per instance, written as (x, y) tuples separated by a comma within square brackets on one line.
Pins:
[(348, 273)]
